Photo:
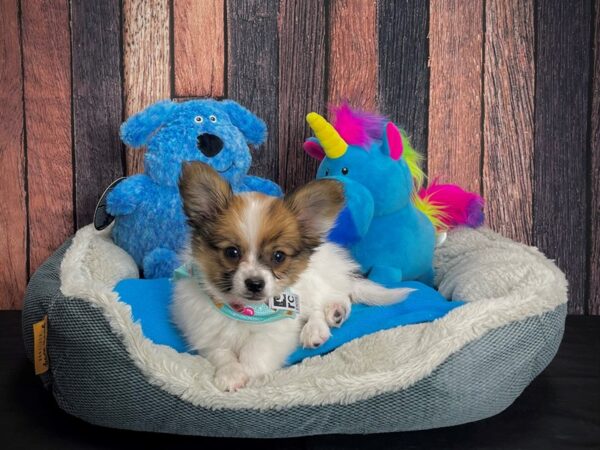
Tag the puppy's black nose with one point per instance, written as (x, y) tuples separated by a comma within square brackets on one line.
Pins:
[(255, 284), (209, 144)]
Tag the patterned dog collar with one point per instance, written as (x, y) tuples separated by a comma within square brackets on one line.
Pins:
[(246, 312)]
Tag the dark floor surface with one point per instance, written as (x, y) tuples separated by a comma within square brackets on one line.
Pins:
[(559, 410)]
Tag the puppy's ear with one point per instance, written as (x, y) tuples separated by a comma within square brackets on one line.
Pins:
[(316, 205), (204, 193)]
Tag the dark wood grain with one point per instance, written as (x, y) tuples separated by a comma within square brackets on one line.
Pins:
[(455, 46), (403, 71), (561, 133), (252, 71), (199, 48), (594, 233), (301, 85), (509, 79), (353, 53), (13, 220), (47, 87), (97, 107), (146, 61)]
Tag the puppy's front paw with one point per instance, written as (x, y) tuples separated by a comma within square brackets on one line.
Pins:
[(314, 333), (336, 314), (230, 378)]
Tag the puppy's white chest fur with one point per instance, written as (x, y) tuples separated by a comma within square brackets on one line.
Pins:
[(262, 348)]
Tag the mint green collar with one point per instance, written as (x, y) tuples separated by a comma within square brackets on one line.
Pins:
[(250, 313)]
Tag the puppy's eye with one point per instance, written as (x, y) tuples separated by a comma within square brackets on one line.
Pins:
[(198, 119), (213, 119), (345, 171), (232, 253), (278, 257)]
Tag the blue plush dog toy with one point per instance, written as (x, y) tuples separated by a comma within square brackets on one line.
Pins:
[(149, 220)]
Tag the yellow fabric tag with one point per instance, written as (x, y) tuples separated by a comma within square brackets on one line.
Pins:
[(40, 335)]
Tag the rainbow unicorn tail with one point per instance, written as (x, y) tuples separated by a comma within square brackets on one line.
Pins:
[(449, 206)]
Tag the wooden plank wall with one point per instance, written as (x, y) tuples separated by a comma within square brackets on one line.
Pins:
[(455, 108), (502, 97), (13, 199), (560, 153), (508, 96), (97, 101), (594, 173), (146, 61)]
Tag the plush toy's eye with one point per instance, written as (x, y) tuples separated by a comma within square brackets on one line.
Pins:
[(198, 119), (213, 119), (345, 171), (232, 253), (278, 257), (326, 172)]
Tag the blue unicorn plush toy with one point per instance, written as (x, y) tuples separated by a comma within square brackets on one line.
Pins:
[(149, 220), (389, 223)]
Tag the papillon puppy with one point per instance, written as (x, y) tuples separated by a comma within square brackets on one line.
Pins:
[(247, 253)]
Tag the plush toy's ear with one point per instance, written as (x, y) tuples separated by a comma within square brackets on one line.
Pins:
[(136, 131), (253, 128), (314, 149), (392, 142)]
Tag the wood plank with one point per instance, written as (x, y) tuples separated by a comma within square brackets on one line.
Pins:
[(594, 275), (353, 53), (561, 133), (47, 86), (252, 71), (509, 78), (146, 61), (13, 220), (403, 71), (455, 47), (199, 48), (97, 107), (301, 85)]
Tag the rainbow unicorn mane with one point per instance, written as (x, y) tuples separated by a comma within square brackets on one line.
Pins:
[(356, 127), (362, 128)]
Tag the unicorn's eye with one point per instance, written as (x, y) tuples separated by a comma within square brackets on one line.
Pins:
[(198, 119), (213, 119), (345, 171)]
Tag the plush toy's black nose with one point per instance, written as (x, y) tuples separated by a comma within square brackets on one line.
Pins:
[(209, 144), (255, 284)]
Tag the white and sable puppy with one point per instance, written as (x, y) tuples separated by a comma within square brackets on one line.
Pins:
[(249, 248)]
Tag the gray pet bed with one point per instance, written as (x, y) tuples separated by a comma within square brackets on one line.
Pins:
[(466, 366)]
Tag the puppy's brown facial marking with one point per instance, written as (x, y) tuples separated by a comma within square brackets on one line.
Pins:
[(253, 246), (280, 243)]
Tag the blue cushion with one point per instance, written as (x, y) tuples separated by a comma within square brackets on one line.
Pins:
[(150, 299)]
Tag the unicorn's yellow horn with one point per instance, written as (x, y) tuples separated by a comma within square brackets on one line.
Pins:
[(330, 140)]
